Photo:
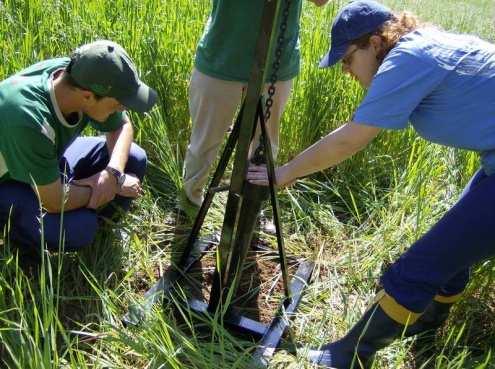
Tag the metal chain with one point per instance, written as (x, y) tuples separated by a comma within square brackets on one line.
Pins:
[(277, 59)]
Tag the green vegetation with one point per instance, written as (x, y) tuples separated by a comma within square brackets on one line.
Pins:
[(354, 219)]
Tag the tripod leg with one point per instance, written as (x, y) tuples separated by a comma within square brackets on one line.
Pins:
[(217, 176), (268, 159), (232, 258)]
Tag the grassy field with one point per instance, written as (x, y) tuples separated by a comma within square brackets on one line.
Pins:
[(353, 220)]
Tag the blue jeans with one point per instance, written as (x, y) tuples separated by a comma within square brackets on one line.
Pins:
[(27, 226), (439, 262)]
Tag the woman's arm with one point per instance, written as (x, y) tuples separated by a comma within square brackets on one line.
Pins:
[(332, 149)]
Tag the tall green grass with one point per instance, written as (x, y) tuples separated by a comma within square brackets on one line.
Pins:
[(355, 219)]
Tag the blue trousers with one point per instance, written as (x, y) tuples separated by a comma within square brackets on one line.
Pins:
[(439, 262), (20, 211)]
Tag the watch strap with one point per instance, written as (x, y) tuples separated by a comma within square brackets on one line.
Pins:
[(119, 176)]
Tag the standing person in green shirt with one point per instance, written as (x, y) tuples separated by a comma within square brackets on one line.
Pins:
[(51, 181), (223, 62)]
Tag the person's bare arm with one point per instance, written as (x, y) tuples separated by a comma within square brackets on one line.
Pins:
[(103, 184), (56, 197), (119, 143), (332, 149)]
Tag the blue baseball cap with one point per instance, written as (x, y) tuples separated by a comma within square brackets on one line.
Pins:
[(353, 21)]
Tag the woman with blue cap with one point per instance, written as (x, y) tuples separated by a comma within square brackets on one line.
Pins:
[(443, 84)]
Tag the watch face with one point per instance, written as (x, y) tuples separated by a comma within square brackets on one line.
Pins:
[(120, 177)]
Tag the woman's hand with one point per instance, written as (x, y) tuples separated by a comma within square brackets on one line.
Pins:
[(258, 175)]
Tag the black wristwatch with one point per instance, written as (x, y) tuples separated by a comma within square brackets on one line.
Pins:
[(119, 176)]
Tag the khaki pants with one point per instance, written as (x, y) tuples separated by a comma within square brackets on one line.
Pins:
[(212, 105)]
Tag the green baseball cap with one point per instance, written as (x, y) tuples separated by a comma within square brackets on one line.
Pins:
[(104, 68)]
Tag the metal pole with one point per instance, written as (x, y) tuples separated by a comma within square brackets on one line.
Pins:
[(226, 264)]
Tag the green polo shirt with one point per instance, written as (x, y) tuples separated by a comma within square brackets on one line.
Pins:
[(227, 48), (33, 131)]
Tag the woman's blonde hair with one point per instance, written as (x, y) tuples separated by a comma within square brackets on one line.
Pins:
[(391, 31)]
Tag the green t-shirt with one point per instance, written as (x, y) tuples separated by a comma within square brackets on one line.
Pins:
[(33, 131), (227, 48)]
